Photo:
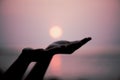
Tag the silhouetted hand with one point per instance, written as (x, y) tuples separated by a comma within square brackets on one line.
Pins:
[(42, 57), (63, 47), (59, 47), (66, 47)]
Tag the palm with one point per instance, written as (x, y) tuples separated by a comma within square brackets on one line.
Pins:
[(66, 47)]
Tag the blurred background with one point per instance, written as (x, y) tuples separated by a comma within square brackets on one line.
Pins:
[(28, 23)]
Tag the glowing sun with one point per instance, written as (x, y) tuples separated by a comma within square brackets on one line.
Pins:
[(55, 32)]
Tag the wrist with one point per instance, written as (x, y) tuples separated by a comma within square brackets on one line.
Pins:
[(25, 55)]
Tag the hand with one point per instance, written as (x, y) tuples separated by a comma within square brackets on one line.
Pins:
[(44, 56), (62, 47), (66, 47)]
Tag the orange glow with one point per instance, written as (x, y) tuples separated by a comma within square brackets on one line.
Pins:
[(56, 64)]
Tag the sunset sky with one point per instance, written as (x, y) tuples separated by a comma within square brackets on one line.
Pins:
[(27, 23)]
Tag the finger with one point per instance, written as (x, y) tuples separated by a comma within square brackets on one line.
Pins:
[(77, 44), (68, 48)]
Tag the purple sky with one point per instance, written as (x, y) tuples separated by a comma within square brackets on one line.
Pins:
[(26, 23)]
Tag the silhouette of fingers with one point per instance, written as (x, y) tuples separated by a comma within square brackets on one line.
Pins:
[(76, 45), (66, 47)]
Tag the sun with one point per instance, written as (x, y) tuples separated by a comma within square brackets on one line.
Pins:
[(55, 32)]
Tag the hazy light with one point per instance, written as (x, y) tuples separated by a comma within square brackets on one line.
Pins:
[(56, 64), (55, 32)]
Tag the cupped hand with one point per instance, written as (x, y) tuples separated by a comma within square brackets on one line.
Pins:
[(66, 47), (59, 47)]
